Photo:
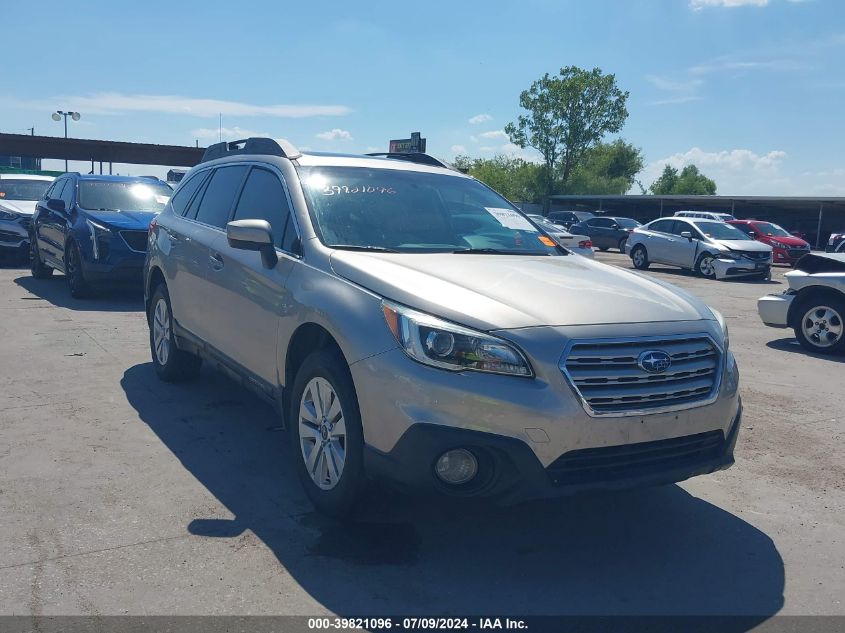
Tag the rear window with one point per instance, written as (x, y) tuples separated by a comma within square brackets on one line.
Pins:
[(125, 195), (627, 223)]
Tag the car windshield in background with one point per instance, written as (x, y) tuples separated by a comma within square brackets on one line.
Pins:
[(627, 223), (721, 231), (410, 211), (23, 189), (772, 229), (129, 196)]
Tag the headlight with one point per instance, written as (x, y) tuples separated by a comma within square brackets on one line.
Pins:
[(777, 244), (438, 343), (98, 232), (722, 324)]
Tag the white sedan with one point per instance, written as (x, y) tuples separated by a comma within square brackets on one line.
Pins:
[(579, 244), (18, 194)]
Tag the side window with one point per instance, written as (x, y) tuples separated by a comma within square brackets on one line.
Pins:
[(263, 198), (661, 226), (220, 194), (182, 197), (602, 223), (746, 228), (67, 193), (679, 227), (56, 189)]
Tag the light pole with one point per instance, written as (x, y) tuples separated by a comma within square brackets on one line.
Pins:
[(57, 116)]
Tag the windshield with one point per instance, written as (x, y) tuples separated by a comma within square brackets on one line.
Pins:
[(128, 196), (627, 223), (23, 189), (772, 229), (721, 231), (410, 211)]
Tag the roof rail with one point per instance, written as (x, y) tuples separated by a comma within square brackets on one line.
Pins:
[(415, 157), (253, 145)]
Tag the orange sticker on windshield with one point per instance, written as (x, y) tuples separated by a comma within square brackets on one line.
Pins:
[(547, 240)]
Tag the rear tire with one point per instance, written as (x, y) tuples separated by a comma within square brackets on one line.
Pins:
[(171, 363), (821, 325), (326, 436), (38, 269), (639, 257), (603, 248), (79, 287)]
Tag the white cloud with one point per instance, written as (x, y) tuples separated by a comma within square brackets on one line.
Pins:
[(335, 134), (480, 118), (459, 149), (495, 134), (698, 5), (486, 149), (736, 171), (229, 133), (675, 100), (116, 103)]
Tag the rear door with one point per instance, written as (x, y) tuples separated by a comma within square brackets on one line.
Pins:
[(49, 229), (658, 240), (600, 232), (247, 299)]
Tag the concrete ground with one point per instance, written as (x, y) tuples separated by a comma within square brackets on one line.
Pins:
[(120, 494)]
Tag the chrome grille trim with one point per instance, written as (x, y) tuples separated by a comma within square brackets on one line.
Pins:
[(605, 376)]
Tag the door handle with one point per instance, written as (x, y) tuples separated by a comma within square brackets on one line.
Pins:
[(216, 261)]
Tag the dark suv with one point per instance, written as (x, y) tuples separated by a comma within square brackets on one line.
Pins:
[(568, 218), (606, 232), (94, 228)]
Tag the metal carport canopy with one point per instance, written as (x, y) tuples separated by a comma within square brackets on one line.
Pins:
[(102, 151), (738, 204)]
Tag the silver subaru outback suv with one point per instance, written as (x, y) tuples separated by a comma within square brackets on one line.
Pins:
[(412, 325)]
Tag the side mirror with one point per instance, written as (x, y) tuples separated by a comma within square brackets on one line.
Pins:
[(253, 235), (56, 204), (687, 234)]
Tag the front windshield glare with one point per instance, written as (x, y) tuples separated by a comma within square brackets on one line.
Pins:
[(772, 229), (123, 196), (721, 231), (410, 211)]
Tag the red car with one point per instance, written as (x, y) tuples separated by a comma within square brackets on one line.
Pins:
[(787, 248)]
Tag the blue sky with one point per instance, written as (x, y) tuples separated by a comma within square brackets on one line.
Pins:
[(750, 90)]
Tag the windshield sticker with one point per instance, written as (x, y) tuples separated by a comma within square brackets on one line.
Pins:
[(336, 190), (510, 219)]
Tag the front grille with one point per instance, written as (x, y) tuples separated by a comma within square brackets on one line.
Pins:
[(136, 240), (608, 378), (757, 256), (798, 252), (591, 465)]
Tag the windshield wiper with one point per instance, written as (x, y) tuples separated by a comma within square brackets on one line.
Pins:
[(495, 251), (360, 247)]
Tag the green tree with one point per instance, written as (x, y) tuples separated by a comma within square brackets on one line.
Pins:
[(566, 115), (606, 168), (689, 182), (514, 178)]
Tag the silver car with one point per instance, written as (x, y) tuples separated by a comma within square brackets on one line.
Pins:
[(711, 248), (412, 325), (18, 195)]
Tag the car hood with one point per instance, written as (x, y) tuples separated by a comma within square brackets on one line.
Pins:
[(24, 207), (789, 241), (511, 291), (744, 245), (123, 219)]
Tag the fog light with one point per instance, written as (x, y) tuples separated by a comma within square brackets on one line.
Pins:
[(456, 467)]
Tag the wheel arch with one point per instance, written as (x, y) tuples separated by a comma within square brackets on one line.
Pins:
[(805, 294), (154, 278)]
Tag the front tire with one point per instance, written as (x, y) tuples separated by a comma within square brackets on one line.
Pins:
[(704, 266), (822, 325), (171, 363), (79, 287), (621, 245), (326, 437), (37, 267), (639, 256)]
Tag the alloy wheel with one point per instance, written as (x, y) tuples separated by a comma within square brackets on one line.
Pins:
[(161, 331), (705, 266), (822, 326), (322, 433)]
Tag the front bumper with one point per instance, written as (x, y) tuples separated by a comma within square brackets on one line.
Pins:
[(510, 472), (727, 268), (774, 309), (117, 269), (13, 235)]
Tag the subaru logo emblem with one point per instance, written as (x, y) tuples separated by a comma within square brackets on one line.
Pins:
[(654, 361)]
